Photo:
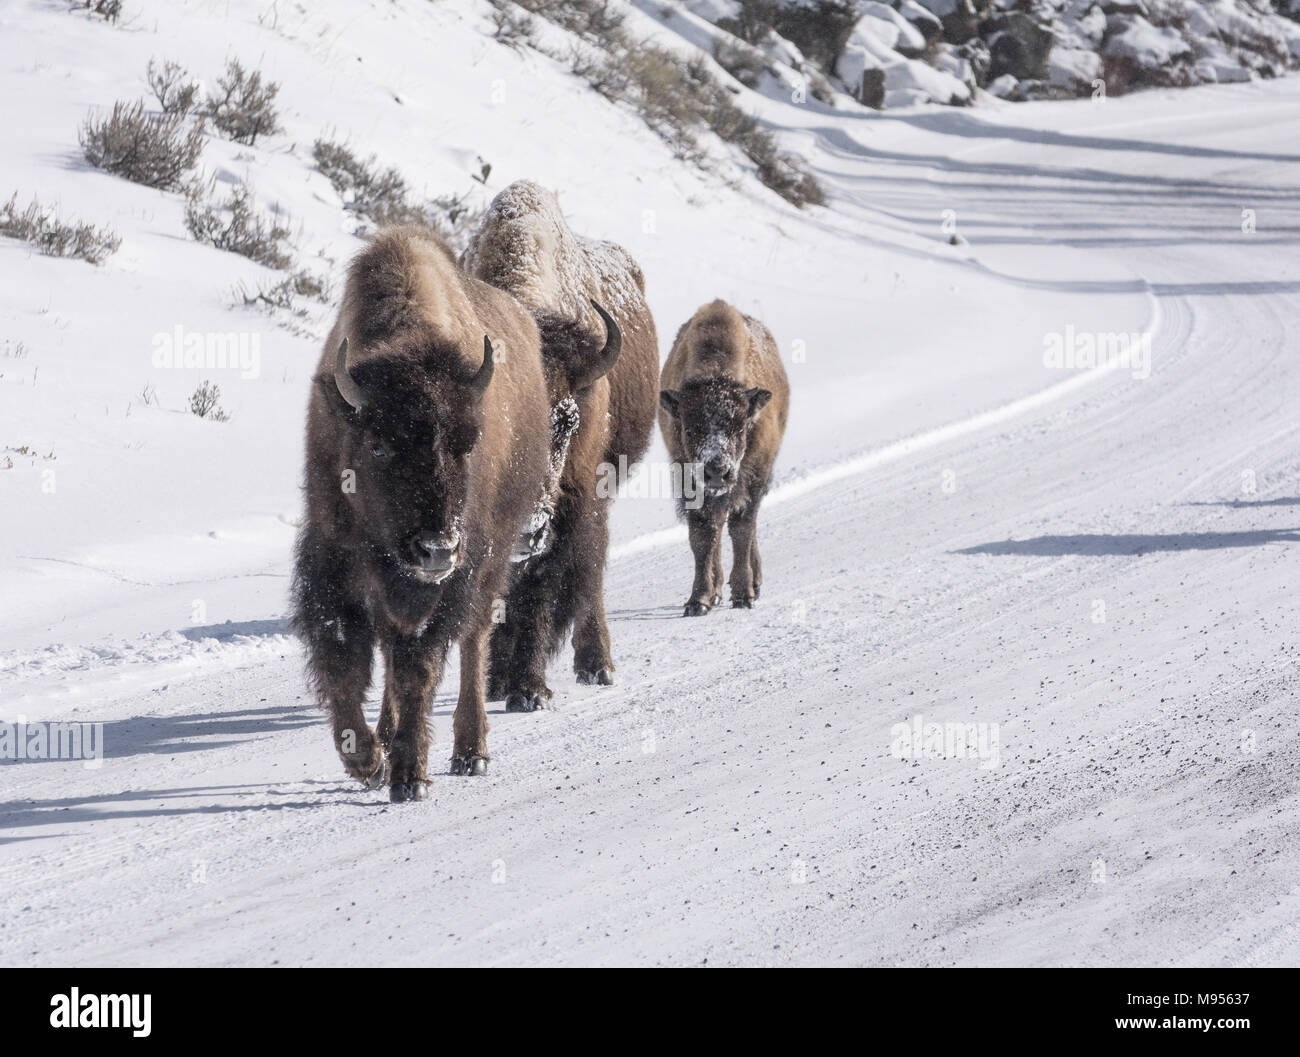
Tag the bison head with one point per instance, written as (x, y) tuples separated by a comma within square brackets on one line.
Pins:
[(412, 420), (575, 360), (712, 417)]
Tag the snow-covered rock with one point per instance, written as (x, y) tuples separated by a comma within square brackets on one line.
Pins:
[(912, 81), (910, 40), (1148, 46), (1073, 68), (1052, 48), (1019, 46), (1004, 87)]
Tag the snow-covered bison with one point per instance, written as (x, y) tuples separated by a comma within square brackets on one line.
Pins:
[(425, 452), (722, 411), (602, 371)]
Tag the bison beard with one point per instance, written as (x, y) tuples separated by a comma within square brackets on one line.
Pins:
[(444, 453)]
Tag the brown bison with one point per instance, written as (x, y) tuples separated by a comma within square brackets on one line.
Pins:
[(722, 411), (602, 370), (427, 444)]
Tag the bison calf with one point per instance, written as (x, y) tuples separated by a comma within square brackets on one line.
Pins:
[(722, 411), (427, 444)]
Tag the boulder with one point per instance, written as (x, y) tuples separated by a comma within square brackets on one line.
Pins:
[(1004, 87), (872, 92), (1074, 69), (960, 18), (925, 23), (976, 52), (910, 41), (1019, 46)]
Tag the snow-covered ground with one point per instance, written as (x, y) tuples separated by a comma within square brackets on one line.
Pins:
[(1093, 565)]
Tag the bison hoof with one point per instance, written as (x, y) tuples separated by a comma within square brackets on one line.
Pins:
[(380, 778), (469, 765), (696, 609), (600, 677), (526, 702), (403, 791), (742, 603)]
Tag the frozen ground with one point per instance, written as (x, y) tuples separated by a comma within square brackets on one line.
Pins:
[(1099, 564)]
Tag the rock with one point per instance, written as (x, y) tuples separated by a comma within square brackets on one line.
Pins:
[(1004, 87), (948, 59), (1124, 7), (872, 92), (1133, 38), (1074, 69), (976, 52), (910, 42), (910, 81), (1019, 46), (930, 28), (1140, 55), (960, 18)]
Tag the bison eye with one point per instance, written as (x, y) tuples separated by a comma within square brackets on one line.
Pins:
[(379, 449)]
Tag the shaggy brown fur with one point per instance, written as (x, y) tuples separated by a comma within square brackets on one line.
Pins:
[(414, 499), (526, 248), (723, 411)]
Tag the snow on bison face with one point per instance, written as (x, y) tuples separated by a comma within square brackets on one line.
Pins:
[(712, 416), (410, 431)]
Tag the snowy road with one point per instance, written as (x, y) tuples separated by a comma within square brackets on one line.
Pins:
[(1102, 566)]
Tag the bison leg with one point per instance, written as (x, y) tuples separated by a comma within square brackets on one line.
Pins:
[(501, 648), (388, 710), (741, 526), (342, 673), (591, 646), (704, 527), (470, 724), (537, 614), (412, 678), (339, 638)]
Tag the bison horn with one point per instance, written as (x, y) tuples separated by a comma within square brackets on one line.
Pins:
[(484, 374), (604, 363), (348, 389)]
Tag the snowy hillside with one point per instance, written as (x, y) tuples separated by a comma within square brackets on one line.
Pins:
[(972, 522)]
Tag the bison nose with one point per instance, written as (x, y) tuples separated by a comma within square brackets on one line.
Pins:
[(435, 551), (717, 473)]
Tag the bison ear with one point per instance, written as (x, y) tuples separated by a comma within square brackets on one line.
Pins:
[(758, 399), (670, 400)]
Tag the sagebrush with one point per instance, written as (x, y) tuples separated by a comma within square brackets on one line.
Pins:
[(41, 227), (236, 225), (205, 402), (678, 98), (157, 150), (176, 91), (381, 195), (243, 107)]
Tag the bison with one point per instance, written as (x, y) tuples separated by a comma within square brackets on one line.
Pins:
[(427, 443), (722, 412), (602, 370)]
